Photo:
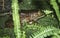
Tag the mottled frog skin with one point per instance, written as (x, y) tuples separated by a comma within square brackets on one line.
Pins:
[(31, 16)]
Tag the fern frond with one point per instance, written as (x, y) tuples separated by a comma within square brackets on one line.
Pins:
[(36, 31), (46, 32)]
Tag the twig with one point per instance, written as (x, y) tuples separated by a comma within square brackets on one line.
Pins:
[(7, 13)]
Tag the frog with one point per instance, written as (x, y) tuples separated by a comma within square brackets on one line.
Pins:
[(31, 17), (26, 17)]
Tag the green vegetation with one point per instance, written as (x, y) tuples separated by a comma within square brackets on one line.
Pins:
[(46, 27), (16, 20), (56, 8)]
